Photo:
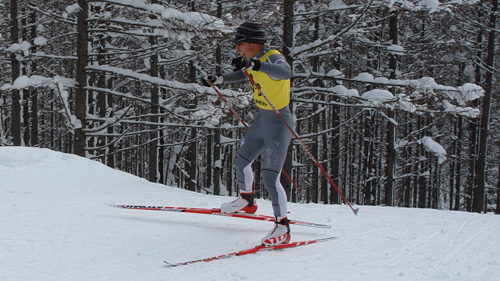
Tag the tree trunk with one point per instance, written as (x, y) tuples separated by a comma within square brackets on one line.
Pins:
[(81, 78), (456, 167), (368, 169), (153, 136), (474, 127), (478, 199), (497, 211), (192, 154), (34, 92), (391, 130), (288, 42), (314, 149), (217, 162), (229, 159), (16, 68), (422, 166), (336, 156), (390, 161)]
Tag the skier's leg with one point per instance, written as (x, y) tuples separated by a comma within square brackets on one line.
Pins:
[(276, 141), (277, 138), (250, 148)]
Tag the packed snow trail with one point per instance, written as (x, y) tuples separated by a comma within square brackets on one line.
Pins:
[(55, 226)]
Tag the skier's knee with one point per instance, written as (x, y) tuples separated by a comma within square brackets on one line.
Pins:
[(269, 178)]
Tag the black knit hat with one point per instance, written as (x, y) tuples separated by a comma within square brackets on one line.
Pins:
[(251, 32)]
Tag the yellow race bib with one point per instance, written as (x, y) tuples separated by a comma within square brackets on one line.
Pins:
[(277, 91)]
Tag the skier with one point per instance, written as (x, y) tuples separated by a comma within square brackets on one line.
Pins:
[(267, 134)]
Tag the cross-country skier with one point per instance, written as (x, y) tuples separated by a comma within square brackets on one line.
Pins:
[(267, 134)]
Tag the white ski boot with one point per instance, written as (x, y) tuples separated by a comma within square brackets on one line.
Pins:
[(245, 203), (280, 234)]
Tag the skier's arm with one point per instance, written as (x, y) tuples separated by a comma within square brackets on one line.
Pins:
[(276, 67), (234, 76)]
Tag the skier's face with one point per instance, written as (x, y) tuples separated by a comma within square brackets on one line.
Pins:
[(248, 50)]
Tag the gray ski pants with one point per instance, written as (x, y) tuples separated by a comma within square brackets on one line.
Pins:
[(267, 135)]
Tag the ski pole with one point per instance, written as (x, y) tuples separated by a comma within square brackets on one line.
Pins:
[(355, 211), (246, 126), (226, 102)]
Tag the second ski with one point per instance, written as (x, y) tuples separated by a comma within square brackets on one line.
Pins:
[(259, 248), (216, 212)]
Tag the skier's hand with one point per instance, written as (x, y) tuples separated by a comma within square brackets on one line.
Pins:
[(242, 62), (212, 78)]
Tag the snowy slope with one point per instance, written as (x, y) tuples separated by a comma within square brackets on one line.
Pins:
[(54, 226)]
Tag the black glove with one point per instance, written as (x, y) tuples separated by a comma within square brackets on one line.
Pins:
[(212, 78), (242, 62)]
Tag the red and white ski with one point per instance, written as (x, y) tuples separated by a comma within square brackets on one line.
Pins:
[(216, 212), (254, 250)]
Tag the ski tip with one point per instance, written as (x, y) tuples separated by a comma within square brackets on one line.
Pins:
[(167, 264)]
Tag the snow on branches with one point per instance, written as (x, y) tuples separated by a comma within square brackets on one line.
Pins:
[(412, 94), (56, 83)]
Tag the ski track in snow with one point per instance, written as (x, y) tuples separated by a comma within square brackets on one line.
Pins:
[(56, 227)]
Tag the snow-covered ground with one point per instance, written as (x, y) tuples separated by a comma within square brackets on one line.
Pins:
[(54, 225)]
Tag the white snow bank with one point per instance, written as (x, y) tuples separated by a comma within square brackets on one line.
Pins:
[(56, 227)]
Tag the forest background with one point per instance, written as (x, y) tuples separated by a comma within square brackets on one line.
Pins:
[(396, 99)]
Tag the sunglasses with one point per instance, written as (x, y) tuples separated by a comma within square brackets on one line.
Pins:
[(239, 43)]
